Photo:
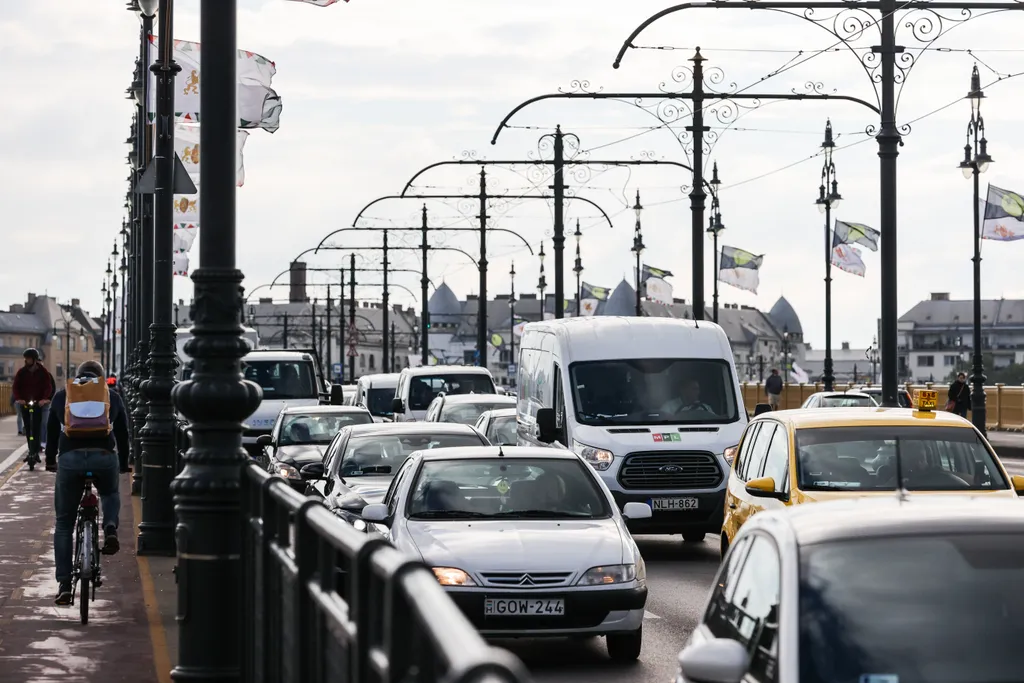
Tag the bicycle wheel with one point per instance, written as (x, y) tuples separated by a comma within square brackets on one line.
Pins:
[(83, 601), (85, 567)]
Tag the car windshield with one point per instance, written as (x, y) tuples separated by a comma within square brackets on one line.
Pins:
[(901, 397), (282, 379), (423, 390), (469, 413), (506, 488), (378, 401), (865, 459), (502, 431), (846, 401), (654, 391), (935, 609), (383, 453), (319, 428)]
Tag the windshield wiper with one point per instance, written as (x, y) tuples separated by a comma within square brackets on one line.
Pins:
[(545, 514), (447, 514)]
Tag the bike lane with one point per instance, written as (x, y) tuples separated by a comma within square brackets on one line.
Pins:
[(43, 643)]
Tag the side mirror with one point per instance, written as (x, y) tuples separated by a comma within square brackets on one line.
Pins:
[(397, 406), (764, 487), (719, 660), (337, 395), (546, 430), (762, 408), (636, 511), (314, 470), (377, 513), (1018, 484), (264, 440)]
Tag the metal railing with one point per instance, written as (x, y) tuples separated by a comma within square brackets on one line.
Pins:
[(325, 602)]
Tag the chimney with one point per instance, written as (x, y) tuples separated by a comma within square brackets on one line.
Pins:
[(936, 296), (17, 308), (30, 301), (297, 291), (846, 346)]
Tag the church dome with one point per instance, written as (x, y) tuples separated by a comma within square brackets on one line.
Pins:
[(622, 301), (444, 307), (784, 317)]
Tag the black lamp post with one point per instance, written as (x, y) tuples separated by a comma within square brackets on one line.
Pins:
[(714, 227), (124, 290), (638, 249), (512, 321), (105, 298), (976, 161), (872, 356), (828, 199), (578, 268), (542, 282)]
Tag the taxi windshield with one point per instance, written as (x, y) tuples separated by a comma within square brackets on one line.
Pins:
[(935, 609), (931, 458)]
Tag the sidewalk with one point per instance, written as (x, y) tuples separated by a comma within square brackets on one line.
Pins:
[(126, 638)]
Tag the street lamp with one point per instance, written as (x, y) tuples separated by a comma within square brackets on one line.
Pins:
[(976, 161), (578, 268), (785, 354), (542, 282), (638, 248), (828, 199), (512, 321), (872, 355), (714, 227)]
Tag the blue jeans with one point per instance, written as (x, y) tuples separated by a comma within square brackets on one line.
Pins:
[(71, 469)]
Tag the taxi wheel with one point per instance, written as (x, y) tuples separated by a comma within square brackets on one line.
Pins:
[(694, 537), (625, 647)]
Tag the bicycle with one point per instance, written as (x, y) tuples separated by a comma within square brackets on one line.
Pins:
[(86, 570)]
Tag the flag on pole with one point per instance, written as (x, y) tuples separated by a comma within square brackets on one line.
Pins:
[(847, 258), (657, 289), (186, 145), (855, 233), (592, 292), (1002, 215), (186, 208), (739, 268), (181, 264), (185, 236), (647, 272)]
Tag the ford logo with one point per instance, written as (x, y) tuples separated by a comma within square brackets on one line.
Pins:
[(670, 469)]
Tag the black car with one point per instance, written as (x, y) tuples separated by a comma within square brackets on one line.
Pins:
[(302, 434), (362, 461)]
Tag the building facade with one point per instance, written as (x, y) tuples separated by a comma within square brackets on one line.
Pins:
[(62, 334)]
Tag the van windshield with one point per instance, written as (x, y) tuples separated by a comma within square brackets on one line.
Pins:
[(282, 379), (423, 390), (649, 391)]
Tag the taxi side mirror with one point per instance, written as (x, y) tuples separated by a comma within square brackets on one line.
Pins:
[(1018, 484), (764, 487)]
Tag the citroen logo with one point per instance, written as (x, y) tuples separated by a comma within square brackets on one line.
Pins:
[(670, 469), (526, 580)]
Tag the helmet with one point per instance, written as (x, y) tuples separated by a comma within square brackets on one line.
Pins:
[(31, 353)]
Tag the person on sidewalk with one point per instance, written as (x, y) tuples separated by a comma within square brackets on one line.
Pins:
[(76, 455), (959, 395), (773, 389), (17, 411), (33, 382)]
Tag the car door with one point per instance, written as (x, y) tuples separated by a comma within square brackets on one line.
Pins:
[(393, 500), (746, 504), (734, 491), (321, 488), (744, 605), (777, 466)]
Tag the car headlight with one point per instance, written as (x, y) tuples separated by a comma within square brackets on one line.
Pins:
[(358, 525), (730, 453), (286, 471), (615, 573), (450, 576), (598, 458)]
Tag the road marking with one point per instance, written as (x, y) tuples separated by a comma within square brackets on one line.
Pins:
[(161, 656), (13, 457), (648, 615), (4, 480)]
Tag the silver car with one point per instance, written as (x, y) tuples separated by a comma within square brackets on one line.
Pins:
[(527, 541)]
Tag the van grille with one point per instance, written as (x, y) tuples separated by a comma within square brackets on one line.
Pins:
[(670, 470)]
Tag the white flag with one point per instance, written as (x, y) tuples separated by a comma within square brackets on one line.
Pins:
[(185, 236), (588, 307), (186, 144), (847, 258), (658, 290), (186, 208), (798, 374), (181, 264)]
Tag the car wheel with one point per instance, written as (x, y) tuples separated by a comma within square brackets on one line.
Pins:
[(694, 537), (625, 647), (725, 545)]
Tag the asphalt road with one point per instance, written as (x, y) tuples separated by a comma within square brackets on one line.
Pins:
[(678, 578)]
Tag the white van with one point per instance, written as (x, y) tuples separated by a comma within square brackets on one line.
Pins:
[(653, 404), (418, 386), (376, 393)]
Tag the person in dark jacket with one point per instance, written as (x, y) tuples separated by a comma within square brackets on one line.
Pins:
[(75, 457), (773, 389), (33, 382), (960, 394)]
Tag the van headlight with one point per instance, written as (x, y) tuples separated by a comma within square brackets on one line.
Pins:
[(598, 458), (614, 573), (730, 454)]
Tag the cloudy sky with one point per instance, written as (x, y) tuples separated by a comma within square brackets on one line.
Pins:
[(374, 91)]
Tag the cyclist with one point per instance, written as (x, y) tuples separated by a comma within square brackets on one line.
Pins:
[(75, 457), (33, 383)]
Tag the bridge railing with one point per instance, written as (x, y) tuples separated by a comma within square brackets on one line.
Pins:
[(327, 603), (5, 399)]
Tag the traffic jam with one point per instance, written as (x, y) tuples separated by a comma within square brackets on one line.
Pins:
[(858, 543)]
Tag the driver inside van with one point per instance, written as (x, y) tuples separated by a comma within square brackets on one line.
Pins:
[(689, 399)]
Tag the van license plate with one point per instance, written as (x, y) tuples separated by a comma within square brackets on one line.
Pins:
[(672, 504), (499, 607)]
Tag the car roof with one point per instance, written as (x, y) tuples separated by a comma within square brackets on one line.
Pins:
[(839, 394), (483, 452), (501, 412), (479, 398), (879, 517), (386, 428), (322, 410), (809, 418), (446, 370)]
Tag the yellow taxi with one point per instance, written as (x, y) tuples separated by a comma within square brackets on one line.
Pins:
[(791, 457)]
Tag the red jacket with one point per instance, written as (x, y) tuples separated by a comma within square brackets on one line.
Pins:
[(35, 385)]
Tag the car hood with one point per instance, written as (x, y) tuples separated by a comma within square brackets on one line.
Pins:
[(518, 545), (299, 455), (359, 491)]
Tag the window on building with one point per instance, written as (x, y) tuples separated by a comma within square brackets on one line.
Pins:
[(59, 370), (85, 343), (71, 343), (60, 342), (926, 361), (373, 362), (949, 361), (362, 361)]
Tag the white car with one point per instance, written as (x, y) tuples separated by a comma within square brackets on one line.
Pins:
[(839, 399), (528, 542), (499, 426)]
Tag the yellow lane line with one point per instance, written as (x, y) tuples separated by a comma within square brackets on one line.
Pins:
[(161, 655)]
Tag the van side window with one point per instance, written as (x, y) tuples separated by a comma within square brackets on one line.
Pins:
[(558, 401)]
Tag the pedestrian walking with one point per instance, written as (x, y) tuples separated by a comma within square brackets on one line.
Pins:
[(773, 389), (959, 395)]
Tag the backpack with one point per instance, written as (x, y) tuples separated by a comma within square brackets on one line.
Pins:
[(87, 410)]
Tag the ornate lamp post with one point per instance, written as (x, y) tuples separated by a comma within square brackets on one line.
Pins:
[(638, 249), (512, 321), (872, 355), (714, 227), (542, 282), (785, 354), (828, 199), (578, 268), (976, 161)]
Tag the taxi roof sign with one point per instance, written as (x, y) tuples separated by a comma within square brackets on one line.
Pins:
[(926, 400)]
